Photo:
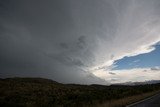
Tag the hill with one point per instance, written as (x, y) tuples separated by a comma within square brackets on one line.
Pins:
[(38, 92)]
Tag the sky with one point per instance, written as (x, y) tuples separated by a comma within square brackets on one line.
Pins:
[(80, 41), (151, 60)]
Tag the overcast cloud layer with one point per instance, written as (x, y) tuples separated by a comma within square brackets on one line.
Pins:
[(76, 41)]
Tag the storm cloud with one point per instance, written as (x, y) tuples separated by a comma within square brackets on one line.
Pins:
[(69, 40)]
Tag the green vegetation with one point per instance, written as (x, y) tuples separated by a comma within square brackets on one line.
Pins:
[(38, 92)]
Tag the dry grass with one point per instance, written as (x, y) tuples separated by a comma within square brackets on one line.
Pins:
[(38, 92), (126, 101)]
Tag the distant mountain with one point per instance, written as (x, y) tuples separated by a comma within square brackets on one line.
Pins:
[(139, 83)]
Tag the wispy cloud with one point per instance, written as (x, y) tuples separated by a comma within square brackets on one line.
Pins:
[(134, 75), (155, 68), (136, 60)]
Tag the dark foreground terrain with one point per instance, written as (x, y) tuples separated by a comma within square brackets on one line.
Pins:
[(38, 92), (153, 101)]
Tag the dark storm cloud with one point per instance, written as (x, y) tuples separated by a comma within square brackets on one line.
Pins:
[(69, 52), (63, 45), (64, 39), (39, 38)]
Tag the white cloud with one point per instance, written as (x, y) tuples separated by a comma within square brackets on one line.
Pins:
[(134, 75), (137, 30)]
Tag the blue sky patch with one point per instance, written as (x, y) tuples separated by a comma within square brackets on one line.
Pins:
[(151, 59)]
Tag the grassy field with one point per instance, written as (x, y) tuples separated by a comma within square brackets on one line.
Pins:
[(127, 100), (38, 92)]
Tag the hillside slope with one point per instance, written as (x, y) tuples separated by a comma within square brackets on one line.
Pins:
[(38, 92)]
